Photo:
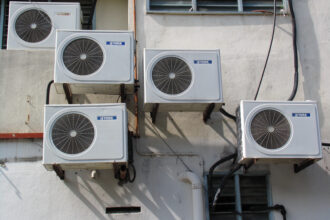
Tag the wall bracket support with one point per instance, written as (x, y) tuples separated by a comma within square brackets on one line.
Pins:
[(123, 95), (154, 112), (207, 112), (68, 93), (303, 165), (59, 172)]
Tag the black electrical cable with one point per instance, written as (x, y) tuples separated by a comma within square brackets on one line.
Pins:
[(276, 207), (216, 164), (269, 50), (326, 144), (280, 208), (131, 180), (223, 183), (48, 91), (295, 52), (228, 115)]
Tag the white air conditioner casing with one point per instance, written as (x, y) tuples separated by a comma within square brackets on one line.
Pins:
[(182, 80), (106, 58), (50, 16), (278, 131), (90, 136)]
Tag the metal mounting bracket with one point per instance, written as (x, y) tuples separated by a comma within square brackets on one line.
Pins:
[(303, 165), (59, 172), (122, 93), (68, 93), (248, 165), (153, 114), (207, 112)]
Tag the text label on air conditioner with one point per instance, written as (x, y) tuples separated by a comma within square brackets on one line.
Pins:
[(115, 43), (101, 118), (301, 114), (202, 61), (63, 13)]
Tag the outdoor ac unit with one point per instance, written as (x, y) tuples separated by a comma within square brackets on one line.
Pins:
[(85, 136), (94, 61), (278, 131), (182, 80), (32, 25)]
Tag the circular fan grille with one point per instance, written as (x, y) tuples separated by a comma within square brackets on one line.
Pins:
[(83, 56), (72, 133), (270, 129), (171, 75), (33, 26)]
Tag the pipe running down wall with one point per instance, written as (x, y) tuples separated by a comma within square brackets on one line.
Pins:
[(197, 194)]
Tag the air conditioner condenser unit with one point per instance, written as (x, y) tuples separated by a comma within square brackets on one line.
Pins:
[(279, 132), (182, 80), (32, 25), (96, 62), (90, 136)]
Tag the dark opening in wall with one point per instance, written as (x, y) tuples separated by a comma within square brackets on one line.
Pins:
[(243, 197), (128, 209)]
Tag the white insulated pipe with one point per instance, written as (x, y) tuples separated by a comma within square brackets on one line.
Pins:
[(197, 194)]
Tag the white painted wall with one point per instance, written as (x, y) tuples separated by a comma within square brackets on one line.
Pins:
[(28, 190), (23, 83), (111, 14)]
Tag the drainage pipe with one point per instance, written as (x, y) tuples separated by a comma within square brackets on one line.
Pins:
[(197, 194)]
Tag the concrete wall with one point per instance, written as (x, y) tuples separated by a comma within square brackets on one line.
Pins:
[(111, 15), (23, 83), (243, 41)]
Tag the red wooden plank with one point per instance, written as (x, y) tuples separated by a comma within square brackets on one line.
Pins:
[(21, 135)]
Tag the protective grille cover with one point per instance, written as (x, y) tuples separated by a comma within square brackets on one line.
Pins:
[(72, 133), (83, 56), (171, 75), (91, 135), (32, 25), (270, 129), (283, 131), (182, 77)]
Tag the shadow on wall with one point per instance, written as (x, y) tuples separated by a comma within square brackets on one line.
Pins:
[(197, 135), (309, 54), (16, 190), (301, 190), (159, 199)]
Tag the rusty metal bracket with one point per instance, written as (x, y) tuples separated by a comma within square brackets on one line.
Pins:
[(59, 172), (207, 112), (154, 112), (303, 165), (68, 93)]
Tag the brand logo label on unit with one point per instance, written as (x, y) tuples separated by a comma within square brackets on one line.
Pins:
[(108, 117), (202, 61), (301, 114), (116, 43), (63, 13)]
